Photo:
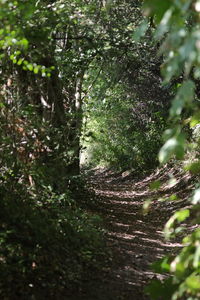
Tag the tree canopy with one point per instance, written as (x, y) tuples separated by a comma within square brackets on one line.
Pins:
[(116, 82)]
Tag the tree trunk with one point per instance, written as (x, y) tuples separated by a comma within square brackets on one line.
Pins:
[(74, 167)]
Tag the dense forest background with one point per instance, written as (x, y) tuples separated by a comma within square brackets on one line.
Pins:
[(86, 84)]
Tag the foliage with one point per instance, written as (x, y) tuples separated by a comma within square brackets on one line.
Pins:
[(177, 27), (124, 123), (47, 244), (65, 61), (117, 137)]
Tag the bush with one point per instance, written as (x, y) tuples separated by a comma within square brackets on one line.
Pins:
[(116, 138), (47, 245)]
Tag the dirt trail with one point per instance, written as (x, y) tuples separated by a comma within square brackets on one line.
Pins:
[(135, 239)]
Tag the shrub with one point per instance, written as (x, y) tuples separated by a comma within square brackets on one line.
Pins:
[(47, 245)]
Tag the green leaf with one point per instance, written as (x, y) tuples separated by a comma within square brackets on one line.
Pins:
[(157, 288), (30, 67), (170, 133), (154, 289), (173, 197), (2, 105), (157, 7), (196, 260), (19, 62), (36, 70), (184, 96), (193, 282), (171, 68), (161, 266), (24, 43), (181, 215), (141, 30), (195, 119), (194, 167), (155, 185), (174, 146), (164, 24)]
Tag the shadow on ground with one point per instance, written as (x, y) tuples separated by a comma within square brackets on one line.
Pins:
[(135, 239)]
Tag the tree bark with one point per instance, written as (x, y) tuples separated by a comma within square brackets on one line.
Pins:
[(74, 167)]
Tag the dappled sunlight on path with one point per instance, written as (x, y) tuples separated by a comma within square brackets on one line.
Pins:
[(135, 239)]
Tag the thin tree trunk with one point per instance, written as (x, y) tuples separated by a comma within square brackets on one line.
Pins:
[(77, 126)]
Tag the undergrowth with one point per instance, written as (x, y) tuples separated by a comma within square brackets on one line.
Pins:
[(48, 245)]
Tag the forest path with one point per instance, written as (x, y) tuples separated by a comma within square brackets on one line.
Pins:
[(135, 239)]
